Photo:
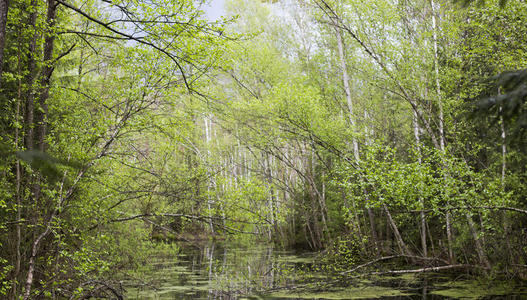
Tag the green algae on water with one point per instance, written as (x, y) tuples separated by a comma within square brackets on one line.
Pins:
[(472, 289), (363, 292)]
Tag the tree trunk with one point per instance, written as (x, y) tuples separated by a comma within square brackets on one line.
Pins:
[(41, 120), (32, 258), (503, 150), (347, 89), (351, 119), (421, 200), (400, 242), (374, 236), (503, 172), (4, 7), (18, 241), (441, 120), (477, 242), (47, 71), (208, 129), (30, 80), (437, 83)]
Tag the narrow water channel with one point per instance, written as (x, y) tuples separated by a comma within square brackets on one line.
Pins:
[(217, 271)]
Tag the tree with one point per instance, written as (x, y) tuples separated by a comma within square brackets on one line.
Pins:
[(84, 85)]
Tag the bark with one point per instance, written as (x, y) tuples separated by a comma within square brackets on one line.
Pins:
[(356, 219), (503, 150), (477, 242), (18, 257), (347, 89), (30, 80), (421, 200), (4, 8), (385, 258), (430, 238), (423, 234), (351, 119), (41, 118), (318, 195), (437, 83), (210, 202), (423, 270), (503, 172), (34, 250), (271, 202), (400, 242), (47, 71), (374, 235), (441, 119)]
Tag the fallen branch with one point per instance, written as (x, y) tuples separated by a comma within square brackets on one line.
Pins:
[(391, 272), (389, 258), (422, 270)]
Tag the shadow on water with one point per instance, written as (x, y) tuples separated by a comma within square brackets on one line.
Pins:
[(216, 271)]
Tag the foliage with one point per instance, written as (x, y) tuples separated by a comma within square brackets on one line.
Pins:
[(336, 125), (511, 101)]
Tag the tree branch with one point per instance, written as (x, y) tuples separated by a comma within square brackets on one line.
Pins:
[(140, 40)]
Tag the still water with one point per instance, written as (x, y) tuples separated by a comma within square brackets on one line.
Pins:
[(216, 271)]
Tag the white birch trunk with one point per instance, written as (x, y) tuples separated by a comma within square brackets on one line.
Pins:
[(419, 160), (210, 201), (347, 90), (441, 120)]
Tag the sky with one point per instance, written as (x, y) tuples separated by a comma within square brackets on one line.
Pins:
[(215, 9)]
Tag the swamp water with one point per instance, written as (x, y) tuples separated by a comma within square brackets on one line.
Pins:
[(216, 271)]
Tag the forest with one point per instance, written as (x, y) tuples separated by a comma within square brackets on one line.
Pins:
[(386, 133)]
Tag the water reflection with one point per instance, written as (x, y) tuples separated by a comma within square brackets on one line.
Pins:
[(214, 271)]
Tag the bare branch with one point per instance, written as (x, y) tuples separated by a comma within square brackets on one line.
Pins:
[(140, 40)]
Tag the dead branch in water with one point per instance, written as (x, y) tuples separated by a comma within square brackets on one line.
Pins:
[(423, 270), (384, 258)]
